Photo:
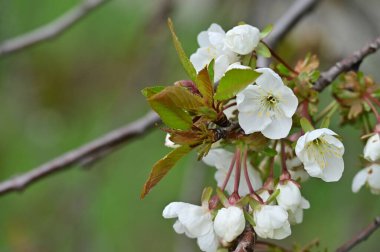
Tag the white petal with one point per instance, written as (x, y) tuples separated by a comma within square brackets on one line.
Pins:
[(313, 169), (372, 148), (333, 170), (178, 227), (359, 180), (202, 57), (269, 80), (288, 101), (173, 209), (229, 223), (374, 178), (208, 242), (251, 122), (219, 158), (203, 40), (278, 128), (289, 197), (221, 65), (196, 220), (169, 143), (242, 39)]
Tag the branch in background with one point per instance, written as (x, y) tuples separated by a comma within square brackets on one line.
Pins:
[(361, 236), (346, 64), (291, 17), (50, 30), (83, 155)]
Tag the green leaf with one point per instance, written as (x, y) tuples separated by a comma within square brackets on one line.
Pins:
[(267, 29), (249, 218), (206, 195), (325, 123), (205, 85), (233, 82), (211, 70), (273, 197), (223, 199), (306, 125), (269, 152), (149, 91), (163, 166), (263, 50), (283, 70), (173, 105), (189, 68)]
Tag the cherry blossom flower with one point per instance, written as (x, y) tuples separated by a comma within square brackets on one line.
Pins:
[(296, 216), (372, 148), (289, 197), (221, 160), (242, 39), (369, 176), (211, 44), (229, 223), (195, 222), (271, 222), (321, 154), (267, 107)]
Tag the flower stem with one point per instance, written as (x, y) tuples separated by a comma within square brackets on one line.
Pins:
[(237, 171), (373, 99), (229, 105), (374, 110), (245, 154), (328, 111), (229, 172), (285, 175), (279, 59)]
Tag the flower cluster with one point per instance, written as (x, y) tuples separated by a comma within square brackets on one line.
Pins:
[(371, 174), (247, 122)]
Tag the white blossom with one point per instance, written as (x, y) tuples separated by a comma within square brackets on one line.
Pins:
[(289, 197), (221, 160), (211, 44), (296, 170), (271, 222), (372, 148), (267, 107), (209, 242), (296, 216), (242, 39), (229, 223), (321, 154), (369, 176), (194, 221)]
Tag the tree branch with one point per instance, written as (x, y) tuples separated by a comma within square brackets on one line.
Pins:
[(361, 236), (50, 30), (292, 16), (346, 64), (82, 155)]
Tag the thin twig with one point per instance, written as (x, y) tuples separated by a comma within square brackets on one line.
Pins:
[(346, 64), (292, 16), (361, 236), (90, 151), (50, 30)]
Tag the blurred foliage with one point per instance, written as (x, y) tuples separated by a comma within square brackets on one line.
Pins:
[(62, 93)]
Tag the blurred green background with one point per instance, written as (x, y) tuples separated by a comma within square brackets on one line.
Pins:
[(63, 93)]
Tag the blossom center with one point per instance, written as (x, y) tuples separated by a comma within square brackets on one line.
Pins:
[(320, 151)]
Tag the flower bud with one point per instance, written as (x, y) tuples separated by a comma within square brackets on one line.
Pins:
[(229, 223), (271, 222), (290, 196), (242, 39)]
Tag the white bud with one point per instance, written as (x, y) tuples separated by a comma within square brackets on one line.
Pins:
[(290, 196), (229, 223), (369, 176), (271, 222), (242, 39)]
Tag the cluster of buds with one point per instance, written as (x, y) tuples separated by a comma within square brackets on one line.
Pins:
[(247, 122)]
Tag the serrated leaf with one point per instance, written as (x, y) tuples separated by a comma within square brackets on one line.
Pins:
[(163, 166), (149, 91), (233, 82), (173, 105), (189, 68), (263, 50), (205, 86), (267, 29), (306, 125)]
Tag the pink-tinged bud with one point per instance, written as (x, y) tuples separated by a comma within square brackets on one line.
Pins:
[(213, 203), (233, 198)]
